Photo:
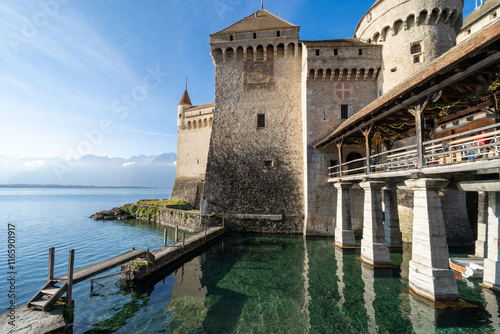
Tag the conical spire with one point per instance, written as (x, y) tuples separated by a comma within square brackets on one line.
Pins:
[(185, 100)]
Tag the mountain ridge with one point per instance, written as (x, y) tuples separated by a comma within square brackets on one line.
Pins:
[(137, 171)]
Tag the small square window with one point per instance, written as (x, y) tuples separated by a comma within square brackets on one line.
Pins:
[(416, 59), (336, 52), (317, 52), (268, 163), (261, 121), (344, 111), (415, 48)]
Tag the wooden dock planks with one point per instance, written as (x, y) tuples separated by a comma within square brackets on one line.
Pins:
[(98, 268)]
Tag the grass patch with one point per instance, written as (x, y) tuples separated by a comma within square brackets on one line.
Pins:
[(171, 203)]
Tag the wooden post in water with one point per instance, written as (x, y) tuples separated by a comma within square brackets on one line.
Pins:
[(183, 240), (71, 263), (165, 234), (52, 253), (147, 258), (176, 237)]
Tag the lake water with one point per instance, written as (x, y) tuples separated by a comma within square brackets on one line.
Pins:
[(240, 284)]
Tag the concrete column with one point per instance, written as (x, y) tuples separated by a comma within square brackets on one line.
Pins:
[(430, 275), (373, 248), (368, 277), (393, 236), (491, 277), (344, 235), (482, 227)]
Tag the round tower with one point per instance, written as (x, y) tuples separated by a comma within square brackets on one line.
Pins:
[(413, 33), (183, 105)]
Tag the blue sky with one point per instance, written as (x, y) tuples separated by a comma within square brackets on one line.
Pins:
[(104, 77)]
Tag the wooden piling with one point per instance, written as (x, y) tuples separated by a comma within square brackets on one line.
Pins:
[(165, 235), (176, 237), (52, 253), (183, 240), (71, 264)]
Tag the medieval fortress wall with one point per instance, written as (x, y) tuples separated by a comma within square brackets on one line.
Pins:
[(276, 96), (255, 166)]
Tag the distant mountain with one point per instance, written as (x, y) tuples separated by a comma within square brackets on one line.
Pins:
[(138, 171)]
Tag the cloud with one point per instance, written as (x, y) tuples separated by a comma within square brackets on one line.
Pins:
[(34, 163), (128, 164), (149, 132)]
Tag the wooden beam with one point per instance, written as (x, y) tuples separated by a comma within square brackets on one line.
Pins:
[(450, 80)]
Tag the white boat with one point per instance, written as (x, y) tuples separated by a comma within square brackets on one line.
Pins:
[(468, 267)]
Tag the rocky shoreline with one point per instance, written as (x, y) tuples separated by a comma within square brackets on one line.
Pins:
[(113, 214)]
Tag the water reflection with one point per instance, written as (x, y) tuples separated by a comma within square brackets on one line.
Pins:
[(271, 284)]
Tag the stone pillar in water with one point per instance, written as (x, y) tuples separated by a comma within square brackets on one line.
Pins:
[(344, 235), (482, 227), (491, 277), (430, 275), (393, 236), (373, 248)]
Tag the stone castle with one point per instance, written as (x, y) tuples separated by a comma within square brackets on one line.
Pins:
[(249, 157)]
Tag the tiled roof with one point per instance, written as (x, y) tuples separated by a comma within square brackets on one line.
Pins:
[(478, 13), (353, 42), (202, 106), (481, 40), (261, 20), (185, 100)]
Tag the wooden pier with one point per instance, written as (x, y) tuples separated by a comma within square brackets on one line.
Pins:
[(53, 290)]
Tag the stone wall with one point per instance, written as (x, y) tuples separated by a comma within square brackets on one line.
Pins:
[(193, 141), (254, 170), (326, 90)]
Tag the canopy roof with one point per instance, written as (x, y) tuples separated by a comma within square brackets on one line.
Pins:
[(459, 74)]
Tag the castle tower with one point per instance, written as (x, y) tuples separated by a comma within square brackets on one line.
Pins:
[(183, 105), (194, 126), (255, 162), (412, 32)]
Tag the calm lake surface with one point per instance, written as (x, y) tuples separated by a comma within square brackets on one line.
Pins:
[(240, 284)]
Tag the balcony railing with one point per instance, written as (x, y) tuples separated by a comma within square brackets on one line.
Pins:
[(461, 148)]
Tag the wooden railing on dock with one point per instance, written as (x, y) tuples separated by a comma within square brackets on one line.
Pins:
[(53, 290)]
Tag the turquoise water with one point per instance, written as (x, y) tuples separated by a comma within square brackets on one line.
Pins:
[(59, 218), (240, 284), (280, 284)]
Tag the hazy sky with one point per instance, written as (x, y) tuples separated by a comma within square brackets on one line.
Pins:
[(104, 77)]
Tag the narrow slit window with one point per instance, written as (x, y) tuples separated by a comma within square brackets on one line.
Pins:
[(254, 35), (278, 33), (231, 37), (261, 121), (317, 52), (360, 52), (336, 52), (344, 111), (268, 163)]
